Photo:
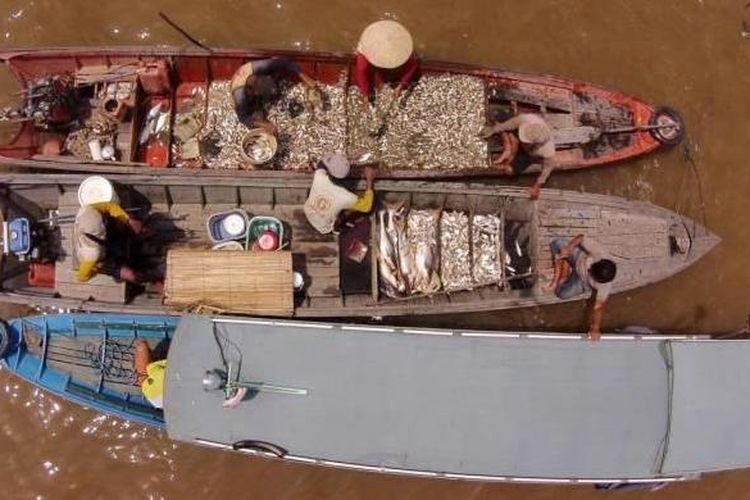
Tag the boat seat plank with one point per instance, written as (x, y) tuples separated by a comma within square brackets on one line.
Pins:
[(332, 303), (189, 218), (560, 120), (321, 267), (535, 94)]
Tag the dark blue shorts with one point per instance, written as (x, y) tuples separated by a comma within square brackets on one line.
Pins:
[(575, 284)]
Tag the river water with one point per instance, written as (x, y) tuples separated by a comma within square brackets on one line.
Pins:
[(690, 54)]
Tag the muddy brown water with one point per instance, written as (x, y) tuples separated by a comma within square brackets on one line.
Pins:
[(686, 53)]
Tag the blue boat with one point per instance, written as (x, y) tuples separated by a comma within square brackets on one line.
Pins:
[(489, 406), (87, 358)]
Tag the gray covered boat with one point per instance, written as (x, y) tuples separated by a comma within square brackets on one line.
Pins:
[(465, 405)]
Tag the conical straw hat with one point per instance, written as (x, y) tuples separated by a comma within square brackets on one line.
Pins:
[(386, 44)]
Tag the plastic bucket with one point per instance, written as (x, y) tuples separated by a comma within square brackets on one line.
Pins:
[(42, 275), (96, 189)]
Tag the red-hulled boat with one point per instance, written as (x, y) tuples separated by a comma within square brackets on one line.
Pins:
[(593, 126)]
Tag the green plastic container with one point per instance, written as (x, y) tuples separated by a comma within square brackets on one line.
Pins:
[(262, 223)]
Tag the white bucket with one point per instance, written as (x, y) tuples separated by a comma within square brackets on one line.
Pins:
[(96, 189), (235, 225)]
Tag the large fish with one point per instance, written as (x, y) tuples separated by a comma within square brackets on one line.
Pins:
[(422, 234), (390, 277), (428, 281), (404, 249)]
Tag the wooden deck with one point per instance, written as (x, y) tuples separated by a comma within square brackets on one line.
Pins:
[(185, 211), (632, 239)]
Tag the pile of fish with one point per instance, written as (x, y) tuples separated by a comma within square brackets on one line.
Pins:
[(455, 250), (222, 133), (434, 125), (311, 123), (424, 251), (486, 249), (408, 251)]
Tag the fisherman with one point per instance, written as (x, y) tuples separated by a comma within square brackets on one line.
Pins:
[(385, 53), (582, 265), (327, 199), (101, 227), (150, 373), (536, 140), (255, 87)]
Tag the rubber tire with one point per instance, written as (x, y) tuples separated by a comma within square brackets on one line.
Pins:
[(261, 446), (674, 116), (4, 340)]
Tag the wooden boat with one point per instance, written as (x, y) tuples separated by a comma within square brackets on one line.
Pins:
[(647, 243), (594, 126), (431, 403), (87, 359)]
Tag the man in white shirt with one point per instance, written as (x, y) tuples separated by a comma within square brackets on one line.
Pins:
[(536, 139), (327, 199), (583, 266)]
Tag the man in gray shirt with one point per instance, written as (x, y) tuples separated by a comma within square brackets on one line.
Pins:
[(582, 266)]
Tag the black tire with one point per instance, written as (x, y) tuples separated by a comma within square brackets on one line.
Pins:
[(668, 136), (4, 340), (260, 446)]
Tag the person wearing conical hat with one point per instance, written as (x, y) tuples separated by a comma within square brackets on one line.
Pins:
[(537, 141), (385, 54)]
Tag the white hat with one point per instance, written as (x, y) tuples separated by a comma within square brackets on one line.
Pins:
[(96, 189), (538, 135), (336, 164), (386, 44)]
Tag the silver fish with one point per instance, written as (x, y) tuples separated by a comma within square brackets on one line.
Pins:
[(390, 279), (422, 233), (404, 250)]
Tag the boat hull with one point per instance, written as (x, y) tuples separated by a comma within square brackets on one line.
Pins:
[(87, 359)]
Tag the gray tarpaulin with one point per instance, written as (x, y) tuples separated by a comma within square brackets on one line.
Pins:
[(710, 406), (496, 406)]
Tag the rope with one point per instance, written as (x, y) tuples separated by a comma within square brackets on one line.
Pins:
[(661, 456), (688, 154)]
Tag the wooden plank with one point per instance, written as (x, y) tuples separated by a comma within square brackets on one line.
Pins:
[(84, 291), (68, 199), (189, 218), (221, 195), (317, 253), (256, 196), (301, 230), (186, 194), (322, 267), (291, 196), (241, 282), (155, 194), (322, 282)]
